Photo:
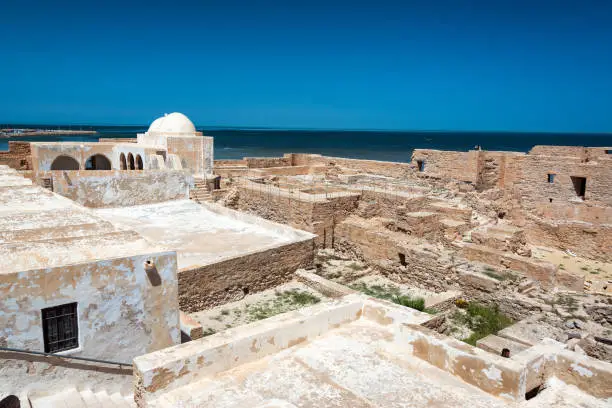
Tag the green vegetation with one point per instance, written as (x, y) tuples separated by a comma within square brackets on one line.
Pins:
[(392, 294), (561, 266), (283, 302), (585, 268), (491, 274), (356, 267), (482, 320), (225, 312), (209, 331)]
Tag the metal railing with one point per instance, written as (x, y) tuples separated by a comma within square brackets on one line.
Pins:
[(40, 353)]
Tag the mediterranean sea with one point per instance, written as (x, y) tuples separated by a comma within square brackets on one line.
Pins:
[(375, 145)]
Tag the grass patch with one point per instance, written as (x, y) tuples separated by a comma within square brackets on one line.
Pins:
[(354, 266), (482, 320), (492, 274), (209, 331), (283, 302), (561, 266), (390, 293), (585, 268)]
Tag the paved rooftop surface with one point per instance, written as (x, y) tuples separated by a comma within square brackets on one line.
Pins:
[(351, 366), (39, 229), (201, 234)]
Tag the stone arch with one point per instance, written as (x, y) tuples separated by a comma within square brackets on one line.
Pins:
[(98, 162), (122, 162), (131, 161), (138, 162), (65, 162)]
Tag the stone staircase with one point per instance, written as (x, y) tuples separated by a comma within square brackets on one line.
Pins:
[(85, 398), (199, 193)]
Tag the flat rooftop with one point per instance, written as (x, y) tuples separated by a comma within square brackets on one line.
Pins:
[(341, 354), (40, 229), (201, 233)]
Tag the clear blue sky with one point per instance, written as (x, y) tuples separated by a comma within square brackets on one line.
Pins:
[(433, 64)]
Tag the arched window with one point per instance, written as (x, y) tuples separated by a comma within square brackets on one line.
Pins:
[(138, 162), (130, 161), (122, 162), (65, 163), (97, 162)]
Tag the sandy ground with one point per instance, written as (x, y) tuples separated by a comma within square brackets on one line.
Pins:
[(255, 306), (598, 275)]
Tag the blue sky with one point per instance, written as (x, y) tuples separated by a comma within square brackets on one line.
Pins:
[(507, 65)]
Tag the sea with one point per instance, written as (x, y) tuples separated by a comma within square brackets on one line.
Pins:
[(397, 146)]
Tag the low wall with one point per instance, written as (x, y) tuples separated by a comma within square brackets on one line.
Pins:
[(119, 188), (18, 156), (383, 168), (584, 239), (117, 140), (264, 162), (231, 279)]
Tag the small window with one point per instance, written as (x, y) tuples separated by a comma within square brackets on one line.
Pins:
[(579, 186), (402, 259), (60, 328), (608, 151), (421, 165), (551, 178)]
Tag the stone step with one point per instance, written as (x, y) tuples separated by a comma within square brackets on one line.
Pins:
[(68, 398)]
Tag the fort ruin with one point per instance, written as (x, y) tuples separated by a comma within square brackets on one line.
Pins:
[(303, 280)]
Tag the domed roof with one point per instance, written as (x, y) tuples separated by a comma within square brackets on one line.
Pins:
[(172, 123)]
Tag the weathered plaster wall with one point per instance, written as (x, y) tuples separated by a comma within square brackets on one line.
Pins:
[(196, 152), (121, 313), (18, 156), (116, 188), (231, 279), (43, 154)]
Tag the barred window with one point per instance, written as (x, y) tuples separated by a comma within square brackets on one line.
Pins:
[(60, 328)]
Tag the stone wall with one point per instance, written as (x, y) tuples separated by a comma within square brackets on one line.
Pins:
[(265, 162), (117, 188), (231, 279), (588, 240), (18, 156), (462, 166), (195, 152), (383, 168), (121, 314)]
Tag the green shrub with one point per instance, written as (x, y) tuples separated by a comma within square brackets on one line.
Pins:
[(483, 320)]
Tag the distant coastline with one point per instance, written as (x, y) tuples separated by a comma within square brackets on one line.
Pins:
[(25, 132)]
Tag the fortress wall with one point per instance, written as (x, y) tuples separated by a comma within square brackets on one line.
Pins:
[(229, 163), (578, 152), (462, 166), (529, 181), (231, 279), (117, 188), (18, 156)]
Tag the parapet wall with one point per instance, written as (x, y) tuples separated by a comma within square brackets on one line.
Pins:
[(383, 168), (18, 156), (118, 188), (231, 279)]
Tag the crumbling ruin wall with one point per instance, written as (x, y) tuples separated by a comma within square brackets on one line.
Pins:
[(117, 188), (403, 262), (18, 156), (327, 214), (462, 166), (530, 181), (231, 279), (265, 162), (588, 240), (382, 168)]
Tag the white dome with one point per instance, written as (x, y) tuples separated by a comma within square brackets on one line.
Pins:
[(172, 123)]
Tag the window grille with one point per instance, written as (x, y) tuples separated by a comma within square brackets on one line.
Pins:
[(60, 328)]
